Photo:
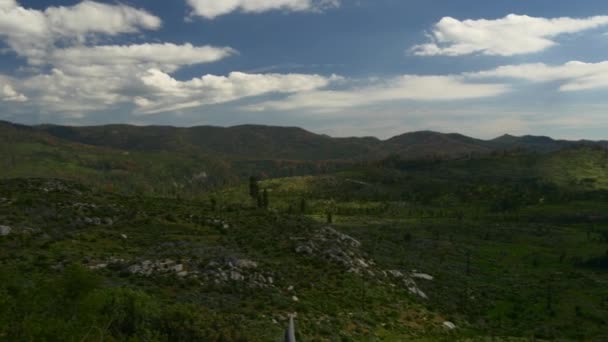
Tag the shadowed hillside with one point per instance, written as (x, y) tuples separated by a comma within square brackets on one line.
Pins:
[(167, 160), (255, 142)]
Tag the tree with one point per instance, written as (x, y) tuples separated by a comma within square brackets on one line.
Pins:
[(265, 200), (330, 218), (303, 205), (254, 188)]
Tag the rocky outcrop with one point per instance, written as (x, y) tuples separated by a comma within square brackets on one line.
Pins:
[(449, 325), (148, 267), (242, 271), (329, 244), (337, 247), (5, 230), (216, 272)]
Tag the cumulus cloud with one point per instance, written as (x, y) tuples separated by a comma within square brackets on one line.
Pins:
[(84, 77), (211, 9), (9, 94), (166, 93), (92, 17), (574, 76), (166, 56), (508, 36), (32, 33), (407, 87)]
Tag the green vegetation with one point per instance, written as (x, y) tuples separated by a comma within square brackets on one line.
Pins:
[(165, 242)]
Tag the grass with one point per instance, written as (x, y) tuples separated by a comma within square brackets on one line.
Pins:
[(508, 240)]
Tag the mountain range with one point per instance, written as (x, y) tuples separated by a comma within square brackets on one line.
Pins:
[(255, 142)]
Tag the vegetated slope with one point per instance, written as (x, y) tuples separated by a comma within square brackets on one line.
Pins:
[(427, 143), (577, 168), (255, 142), (241, 142), (529, 142), (168, 160), (30, 153), (156, 163), (100, 265), (496, 182), (512, 249)]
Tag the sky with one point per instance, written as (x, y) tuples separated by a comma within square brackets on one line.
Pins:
[(338, 67)]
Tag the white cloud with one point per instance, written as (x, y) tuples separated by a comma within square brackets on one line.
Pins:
[(508, 36), (407, 87), (7, 93), (575, 75), (32, 33), (165, 56), (211, 9), (166, 93), (93, 17), (83, 76), (7, 4)]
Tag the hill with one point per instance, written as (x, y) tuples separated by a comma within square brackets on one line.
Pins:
[(166, 161), (292, 143), (515, 243), (102, 266), (507, 246)]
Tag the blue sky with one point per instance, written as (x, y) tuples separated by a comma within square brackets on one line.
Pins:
[(341, 67)]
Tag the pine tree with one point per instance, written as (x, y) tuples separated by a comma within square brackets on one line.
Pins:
[(303, 206), (254, 189), (265, 200)]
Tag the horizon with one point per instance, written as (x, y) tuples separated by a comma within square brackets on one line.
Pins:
[(312, 131), (337, 67)]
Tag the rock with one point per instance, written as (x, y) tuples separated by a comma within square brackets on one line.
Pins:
[(343, 237), (449, 325), (290, 288), (417, 292), (362, 263), (226, 226), (98, 266), (177, 268), (182, 274), (295, 299), (413, 288), (422, 276), (304, 249), (236, 276), (108, 221), (134, 269), (57, 267), (395, 273), (167, 263), (5, 230), (247, 264), (270, 280), (123, 236)]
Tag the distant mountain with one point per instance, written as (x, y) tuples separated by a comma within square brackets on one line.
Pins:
[(530, 142), (426, 143), (166, 160), (256, 142), (241, 142)]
